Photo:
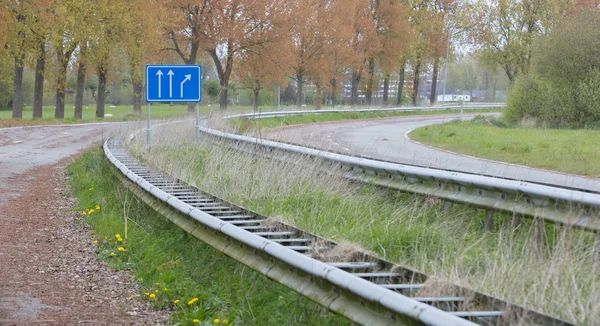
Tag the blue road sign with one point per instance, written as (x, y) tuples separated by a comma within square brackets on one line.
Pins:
[(173, 83)]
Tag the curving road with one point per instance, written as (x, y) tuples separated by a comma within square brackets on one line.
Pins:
[(387, 139)]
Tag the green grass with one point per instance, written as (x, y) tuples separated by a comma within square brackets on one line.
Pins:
[(566, 150), (172, 265), (244, 124), (551, 273)]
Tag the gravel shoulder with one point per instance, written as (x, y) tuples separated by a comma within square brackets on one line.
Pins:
[(48, 264)]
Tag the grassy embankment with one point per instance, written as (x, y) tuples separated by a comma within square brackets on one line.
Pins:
[(245, 124), (173, 268), (549, 271), (566, 150)]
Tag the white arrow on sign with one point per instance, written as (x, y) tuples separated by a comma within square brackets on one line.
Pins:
[(159, 74), (170, 73), (187, 77)]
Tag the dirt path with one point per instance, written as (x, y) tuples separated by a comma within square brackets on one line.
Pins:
[(48, 271)]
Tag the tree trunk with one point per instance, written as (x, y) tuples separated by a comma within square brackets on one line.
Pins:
[(414, 96), (61, 84), (370, 82), (100, 101), (78, 113), (434, 77), (318, 98), (300, 90), (333, 91), (354, 88), (255, 92), (138, 88), (400, 85), (17, 104), (386, 89), (38, 92), (223, 97)]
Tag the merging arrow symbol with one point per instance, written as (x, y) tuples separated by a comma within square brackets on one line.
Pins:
[(170, 73), (159, 74), (187, 77)]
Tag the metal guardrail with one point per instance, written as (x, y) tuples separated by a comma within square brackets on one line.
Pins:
[(569, 207), (362, 288), (273, 114)]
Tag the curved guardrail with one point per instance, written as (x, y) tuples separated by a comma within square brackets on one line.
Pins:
[(570, 207), (273, 114), (368, 291)]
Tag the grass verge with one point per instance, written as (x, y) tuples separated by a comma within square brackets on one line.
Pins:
[(549, 269), (564, 150), (245, 124), (176, 271)]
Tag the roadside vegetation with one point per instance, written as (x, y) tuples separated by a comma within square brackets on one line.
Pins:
[(245, 125), (548, 269), (176, 271), (573, 151)]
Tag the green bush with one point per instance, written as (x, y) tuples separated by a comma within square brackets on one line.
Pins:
[(563, 87)]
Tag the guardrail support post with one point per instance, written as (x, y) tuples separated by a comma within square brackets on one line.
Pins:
[(448, 205), (597, 252), (539, 231), (488, 223)]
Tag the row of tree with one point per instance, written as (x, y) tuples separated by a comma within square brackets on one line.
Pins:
[(262, 42)]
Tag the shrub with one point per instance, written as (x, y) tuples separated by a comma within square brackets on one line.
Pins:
[(563, 87)]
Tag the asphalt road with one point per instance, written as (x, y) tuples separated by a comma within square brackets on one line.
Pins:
[(387, 139)]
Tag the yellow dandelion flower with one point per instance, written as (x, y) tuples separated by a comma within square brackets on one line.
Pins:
[(152, 295), (90, 211), (83, 213), (165, 289), (217, 321), (112, 254), (96, 241), (192, 301), (117, 235), (196, 320), (130, 297), (121, 249), (147, 293), (225, 321), (156, 291), (97, 207), (176, 301)]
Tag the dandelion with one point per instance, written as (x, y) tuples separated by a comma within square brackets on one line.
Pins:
[(90, 211), (147, 293), (97, 207), (217, 321), (152, 295), (112, 254), (96, 241), (225, 321), (117, 236), (83, 213), (165, 289), (130, 297), (121, 249), (191, 302), (176, 301), (196, 320), (156, 291)]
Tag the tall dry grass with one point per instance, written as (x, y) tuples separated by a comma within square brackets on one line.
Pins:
[(551, 273)]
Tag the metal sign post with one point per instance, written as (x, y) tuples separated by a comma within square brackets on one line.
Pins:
[(173, 83)]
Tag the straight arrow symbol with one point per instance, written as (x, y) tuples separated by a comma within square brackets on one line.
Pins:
[(170, 73), (159, 74), (187, 77)]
